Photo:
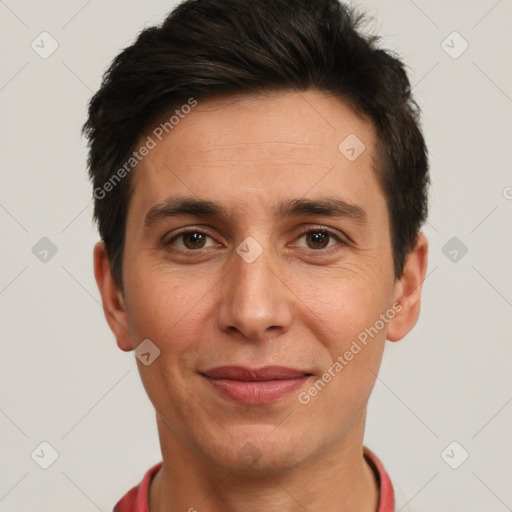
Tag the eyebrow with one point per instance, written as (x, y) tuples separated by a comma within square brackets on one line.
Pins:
[(325, 206)]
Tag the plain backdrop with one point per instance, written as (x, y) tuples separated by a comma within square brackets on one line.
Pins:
[(65, 382)]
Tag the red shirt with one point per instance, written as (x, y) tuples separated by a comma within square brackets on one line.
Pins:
[(137, 498)]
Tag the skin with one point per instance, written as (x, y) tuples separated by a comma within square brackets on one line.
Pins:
[(300, 304)]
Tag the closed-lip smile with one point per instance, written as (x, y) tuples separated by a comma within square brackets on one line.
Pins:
[(255, 386)]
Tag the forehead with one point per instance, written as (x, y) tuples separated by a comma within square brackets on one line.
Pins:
[(258, 149)]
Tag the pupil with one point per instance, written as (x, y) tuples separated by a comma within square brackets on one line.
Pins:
[(194, 238), (319, 238)]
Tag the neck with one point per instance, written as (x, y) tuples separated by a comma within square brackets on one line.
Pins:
[(339, 479)]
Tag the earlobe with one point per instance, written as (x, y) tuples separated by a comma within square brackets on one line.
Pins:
[(408, 290), (112, 298)]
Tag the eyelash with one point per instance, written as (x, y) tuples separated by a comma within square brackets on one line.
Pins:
[(192, 252)]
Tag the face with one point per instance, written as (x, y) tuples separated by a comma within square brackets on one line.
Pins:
[(287, 265)]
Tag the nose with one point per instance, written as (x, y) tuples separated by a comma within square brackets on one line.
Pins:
[(255, 302)]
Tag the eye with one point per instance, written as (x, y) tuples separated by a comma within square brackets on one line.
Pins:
[(192, 240), (318, 239)]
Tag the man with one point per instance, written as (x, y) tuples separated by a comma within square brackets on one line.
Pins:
[(260, 182)]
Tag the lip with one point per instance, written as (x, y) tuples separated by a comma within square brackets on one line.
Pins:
[(255, 386)]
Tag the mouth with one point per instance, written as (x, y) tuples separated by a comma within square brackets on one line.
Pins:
[(255, 386)]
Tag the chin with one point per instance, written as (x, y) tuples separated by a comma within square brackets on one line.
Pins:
[(259, 450)]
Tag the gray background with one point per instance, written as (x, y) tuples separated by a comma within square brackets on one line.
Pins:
[(63, 379)]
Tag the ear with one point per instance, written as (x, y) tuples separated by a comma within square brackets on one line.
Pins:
[(408, 290), (112, 298)]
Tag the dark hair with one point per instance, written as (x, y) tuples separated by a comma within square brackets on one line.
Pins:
[(209, 48)]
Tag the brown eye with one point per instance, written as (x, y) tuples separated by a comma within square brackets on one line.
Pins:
[(318, 239), (191, 241), (194, 240)]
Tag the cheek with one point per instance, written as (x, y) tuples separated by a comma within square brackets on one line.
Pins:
[(170, 315), (352, 352), (165, 309), (345, 306), (346, 319)]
